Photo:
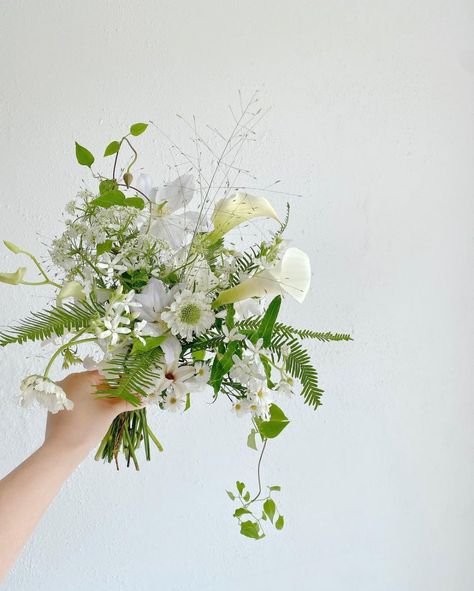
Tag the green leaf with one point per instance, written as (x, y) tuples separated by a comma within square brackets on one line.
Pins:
[(280, 522), (109, 199), (112, 148), (83, 156), (267, 323), (188, 401), (138, 128), (221, 366), (149, 344), (129, 374), (104, 247), (230, 495), (275, 425), (251, 530), (199, 355), (241, 511), (240, 487), (107, 185), (54, 321), (246, 496), (277, 488), (251, 440), (135, 202), (269, 508)]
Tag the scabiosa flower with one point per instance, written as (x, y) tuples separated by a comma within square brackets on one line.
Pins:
[(189, 314), (39, 389)]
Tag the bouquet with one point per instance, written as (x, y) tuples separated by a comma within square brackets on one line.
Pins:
[(152, 279)]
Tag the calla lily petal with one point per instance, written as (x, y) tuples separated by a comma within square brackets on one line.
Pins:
[(238, 209), (13, 278), (292, 276), (71, 289)]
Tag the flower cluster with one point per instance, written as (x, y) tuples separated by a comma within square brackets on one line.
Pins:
[(149, 276)]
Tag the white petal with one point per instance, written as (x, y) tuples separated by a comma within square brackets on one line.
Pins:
[(237, 209), (144, 183), (292, 276), (177, 193)]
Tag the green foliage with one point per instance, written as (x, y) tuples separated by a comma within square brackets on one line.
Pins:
[(249, 519), (299, 366), (107, 185), (52, 322), (83, 156), (275, 424), (130, 374), (267, 323), (116, 197), (138, 128), (112, 148)]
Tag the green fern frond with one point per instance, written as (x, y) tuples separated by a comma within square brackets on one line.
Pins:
[(299, 366), (287, 331), (52, 322), (130, 374)]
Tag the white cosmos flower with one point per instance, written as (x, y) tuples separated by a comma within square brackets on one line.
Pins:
[(189, 314), (171, 220), (39, 389)]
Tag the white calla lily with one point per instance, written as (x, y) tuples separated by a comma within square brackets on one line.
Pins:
[(239, 208), (292, 275), (71, 289), (13, 278)]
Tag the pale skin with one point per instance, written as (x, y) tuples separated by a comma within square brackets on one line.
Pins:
[(26, 493)]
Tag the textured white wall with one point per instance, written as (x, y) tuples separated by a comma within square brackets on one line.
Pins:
[(372, 122)]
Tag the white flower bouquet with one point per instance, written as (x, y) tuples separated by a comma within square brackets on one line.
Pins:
[(151, 278)]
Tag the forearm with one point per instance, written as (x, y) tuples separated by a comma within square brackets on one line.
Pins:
[(26, 493)]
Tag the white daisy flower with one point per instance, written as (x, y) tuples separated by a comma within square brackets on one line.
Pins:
[(39, 389), (190, 314)]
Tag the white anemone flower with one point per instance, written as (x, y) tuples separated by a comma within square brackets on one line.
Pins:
[(171, 220), (291, 275), (42, 390), (189, 314), (153, 299)]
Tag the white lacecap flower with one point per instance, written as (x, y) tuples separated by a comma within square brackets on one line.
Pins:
[(45, 392), (189, 314)]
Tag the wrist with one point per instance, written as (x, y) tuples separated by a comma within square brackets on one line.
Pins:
[(73, 452)]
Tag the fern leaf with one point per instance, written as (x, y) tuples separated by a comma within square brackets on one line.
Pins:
[(131, 374), (52, 322)]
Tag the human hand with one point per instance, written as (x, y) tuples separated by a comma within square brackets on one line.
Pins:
[(82, 428)]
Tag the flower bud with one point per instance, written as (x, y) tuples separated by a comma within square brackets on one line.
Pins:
[(12, 247), (128, 178)]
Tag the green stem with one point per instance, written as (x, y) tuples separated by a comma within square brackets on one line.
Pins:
[(66, 346)]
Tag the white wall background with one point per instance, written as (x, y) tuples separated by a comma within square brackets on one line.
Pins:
[(372, 121)]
